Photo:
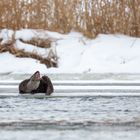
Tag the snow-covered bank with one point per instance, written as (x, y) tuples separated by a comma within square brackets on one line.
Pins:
[(76, 53), (11, 64)]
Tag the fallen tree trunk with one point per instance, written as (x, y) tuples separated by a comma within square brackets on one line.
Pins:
[(50, 61), (42, 43)]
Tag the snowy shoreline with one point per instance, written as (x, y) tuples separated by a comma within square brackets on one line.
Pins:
[(76, 53)]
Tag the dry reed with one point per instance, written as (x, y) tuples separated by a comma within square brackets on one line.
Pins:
[(90, 17)]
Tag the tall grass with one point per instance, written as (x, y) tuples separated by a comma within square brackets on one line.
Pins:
[(90, 17)]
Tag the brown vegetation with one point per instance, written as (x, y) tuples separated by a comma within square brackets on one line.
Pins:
[(90, 17), (42, 43), (49, 61)]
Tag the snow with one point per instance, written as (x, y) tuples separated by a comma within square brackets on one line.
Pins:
[(28, 34), (30, 48), (6, 35), (77, 54), (25, 34), (11, 64), (110, 53)]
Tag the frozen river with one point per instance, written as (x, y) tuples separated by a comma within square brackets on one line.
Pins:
[(72, 118), (82, 110)]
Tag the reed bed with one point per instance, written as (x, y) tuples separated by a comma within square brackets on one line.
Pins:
[(90, 17)]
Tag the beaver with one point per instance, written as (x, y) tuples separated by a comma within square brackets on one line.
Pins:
[(36, 84)]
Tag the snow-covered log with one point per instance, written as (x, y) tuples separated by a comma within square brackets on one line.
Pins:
[(32, 47)]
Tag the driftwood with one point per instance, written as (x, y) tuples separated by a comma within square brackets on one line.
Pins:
[(42, 43), (50, 61)]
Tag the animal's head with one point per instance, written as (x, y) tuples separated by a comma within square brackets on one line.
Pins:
[(36, 76)]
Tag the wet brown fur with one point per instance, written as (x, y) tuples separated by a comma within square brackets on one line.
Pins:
[(45, 86)]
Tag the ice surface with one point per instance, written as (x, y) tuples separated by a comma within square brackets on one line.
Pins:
[(108, 118)]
